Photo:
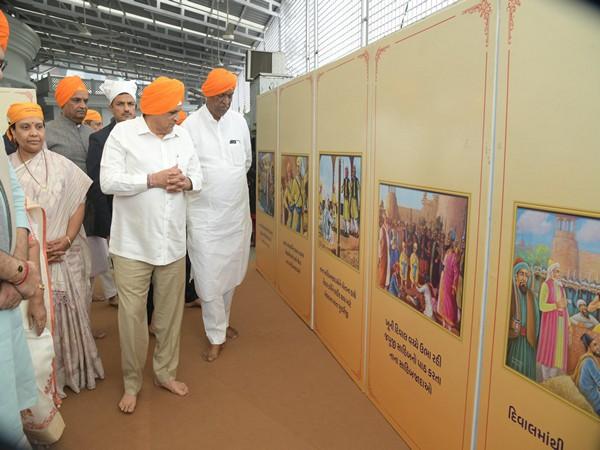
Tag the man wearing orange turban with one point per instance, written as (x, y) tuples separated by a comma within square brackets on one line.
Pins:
[(4, 34), (93, 119), (19, 278), (222, 212), (146, 165), (67, 135)]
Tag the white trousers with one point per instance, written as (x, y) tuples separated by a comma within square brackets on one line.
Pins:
[(101, 265), (108, 284), (215, 314)]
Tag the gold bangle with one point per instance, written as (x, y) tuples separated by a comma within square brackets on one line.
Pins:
[(42, 287), (69, 239)]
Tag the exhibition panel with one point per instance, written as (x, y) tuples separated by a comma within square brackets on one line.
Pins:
[(342, 115), (433, 89), (542, 348), (294, 235), (448, 199), (266, 156)]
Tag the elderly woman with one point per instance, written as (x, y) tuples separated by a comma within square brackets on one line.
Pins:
[(59, 186)]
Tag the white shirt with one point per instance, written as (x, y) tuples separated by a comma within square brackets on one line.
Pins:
[(219, 225), (147, 224), (222, 143)]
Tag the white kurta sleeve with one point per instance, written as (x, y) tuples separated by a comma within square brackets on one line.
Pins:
[(247, 146), (114, 179), (194, 172)]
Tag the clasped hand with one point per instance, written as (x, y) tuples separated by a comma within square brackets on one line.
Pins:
[(171, 179), (56, 249)]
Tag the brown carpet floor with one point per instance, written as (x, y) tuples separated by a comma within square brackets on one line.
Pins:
[(275, 387)]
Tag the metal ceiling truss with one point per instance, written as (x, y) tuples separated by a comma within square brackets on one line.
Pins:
[(145, 38)]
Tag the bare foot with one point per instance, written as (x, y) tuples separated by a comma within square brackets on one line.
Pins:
[(195, 303), (231, 333), (99, 334), (214, 350), (127, 403), (174, 386)]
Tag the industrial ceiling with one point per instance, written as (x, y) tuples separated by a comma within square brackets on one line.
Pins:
[(142, 39)]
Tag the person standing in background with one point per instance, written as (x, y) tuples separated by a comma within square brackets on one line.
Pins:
[(66, 135), (121, 96), (93, 119)]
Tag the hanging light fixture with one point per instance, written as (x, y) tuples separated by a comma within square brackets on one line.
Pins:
[(229, 27)]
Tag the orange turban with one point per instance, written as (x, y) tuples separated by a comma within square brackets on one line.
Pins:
[(181, 116), (161, 96), (67, 88), (218, 81), (4, 31), (20, 111), (92, 114)]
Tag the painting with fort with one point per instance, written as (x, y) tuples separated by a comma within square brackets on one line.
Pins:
[(553, 336), (421, 251)]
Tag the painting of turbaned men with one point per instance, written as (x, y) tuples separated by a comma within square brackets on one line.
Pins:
[(421, 251), (266, 182), (554, 320), (294, 193), (339, 206)]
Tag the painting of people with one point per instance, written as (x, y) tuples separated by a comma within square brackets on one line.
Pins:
[(554, 316), (339, 206), (266, 182), (421, 251), (294, 193)]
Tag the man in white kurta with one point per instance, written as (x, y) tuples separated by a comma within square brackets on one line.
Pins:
[(147, 163), (219, 225)]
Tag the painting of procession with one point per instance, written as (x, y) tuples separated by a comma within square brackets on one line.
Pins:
[(294, 193), (554, 317), (421, 251), (266, 182), (339, 206)]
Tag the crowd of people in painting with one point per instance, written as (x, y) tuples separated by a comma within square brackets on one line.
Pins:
[(554, 332), (70, 184), (423, 265)]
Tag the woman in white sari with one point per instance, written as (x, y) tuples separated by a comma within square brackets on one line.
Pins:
[(59, 186)]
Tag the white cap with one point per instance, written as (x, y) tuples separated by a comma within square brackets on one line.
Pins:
[(112, 88)]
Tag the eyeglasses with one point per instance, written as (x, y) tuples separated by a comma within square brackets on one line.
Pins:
[(3, 64)]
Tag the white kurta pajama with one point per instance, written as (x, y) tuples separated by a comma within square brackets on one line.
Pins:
[(218, 218)]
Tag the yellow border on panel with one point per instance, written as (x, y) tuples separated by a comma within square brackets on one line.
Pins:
[(467, 241), (259, 211), (362, 195), (305, 155), (542, 208)]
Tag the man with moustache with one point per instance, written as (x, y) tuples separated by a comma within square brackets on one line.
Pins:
[(583, 318), (121, 96), (66, 134), (522, 338), (219, 225)]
